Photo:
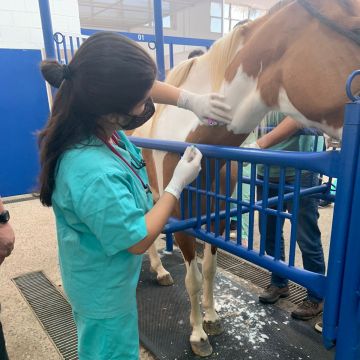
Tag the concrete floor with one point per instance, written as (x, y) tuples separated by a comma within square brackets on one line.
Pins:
[(36, 249)]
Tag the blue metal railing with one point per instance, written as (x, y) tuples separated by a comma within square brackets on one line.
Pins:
[(212, 206), (67, 45), (210, 211)]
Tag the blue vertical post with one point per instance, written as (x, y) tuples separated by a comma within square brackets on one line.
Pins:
[(348, 339), (47, 29), (159, 39), (341, 228), (171, 55), (169, 243)]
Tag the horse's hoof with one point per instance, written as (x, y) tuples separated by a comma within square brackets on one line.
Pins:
[(165, 280), (201, 348), (213, 327)]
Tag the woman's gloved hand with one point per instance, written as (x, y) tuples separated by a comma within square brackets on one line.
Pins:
[(211, 109), (253, 145), (186, 171)]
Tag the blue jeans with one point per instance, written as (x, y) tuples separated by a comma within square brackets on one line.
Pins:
[(308, 232)]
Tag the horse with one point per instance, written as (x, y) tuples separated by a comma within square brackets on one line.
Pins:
[(295, 59)]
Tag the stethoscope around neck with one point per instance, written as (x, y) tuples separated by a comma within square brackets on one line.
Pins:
[(135, 163)]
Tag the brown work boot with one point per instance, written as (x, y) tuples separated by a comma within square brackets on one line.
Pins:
[(307, 310), (273, 293)]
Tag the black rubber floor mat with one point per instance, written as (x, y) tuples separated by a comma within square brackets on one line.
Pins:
[(252, 331)]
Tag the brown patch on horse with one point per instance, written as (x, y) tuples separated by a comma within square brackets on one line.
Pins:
[(215, 136), (187, 245), (213, 249), (302, 60)]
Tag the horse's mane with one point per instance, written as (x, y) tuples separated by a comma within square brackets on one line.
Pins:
[(221, 54), (175, 77)]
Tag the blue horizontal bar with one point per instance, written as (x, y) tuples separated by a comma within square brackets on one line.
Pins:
[(175, 40), (175, 225), (325, 162)]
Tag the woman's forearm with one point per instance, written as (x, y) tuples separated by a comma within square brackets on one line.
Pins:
[(155, 220), (284, 130), (163, 93)]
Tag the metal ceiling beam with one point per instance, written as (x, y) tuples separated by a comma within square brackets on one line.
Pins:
[(111, 6)]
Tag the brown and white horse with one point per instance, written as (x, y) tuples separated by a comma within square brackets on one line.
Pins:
[(296, 60)]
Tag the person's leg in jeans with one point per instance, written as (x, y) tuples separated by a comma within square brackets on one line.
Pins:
[(3, 353), (309, 241), (279, 285)]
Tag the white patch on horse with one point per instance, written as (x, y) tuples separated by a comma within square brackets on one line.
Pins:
[(247, 105), (193, 283), (158, 157), (156, 264), (209, 271), (287, 107)]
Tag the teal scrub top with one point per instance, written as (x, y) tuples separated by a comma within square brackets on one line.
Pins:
[(100, 208)]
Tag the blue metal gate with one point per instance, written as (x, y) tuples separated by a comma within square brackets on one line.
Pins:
[(341, 286)]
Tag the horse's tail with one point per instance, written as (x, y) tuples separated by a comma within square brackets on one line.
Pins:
[(176, 77)]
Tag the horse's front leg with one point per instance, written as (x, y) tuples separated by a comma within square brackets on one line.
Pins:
[(193, 282), (163, 276), (212, 322)]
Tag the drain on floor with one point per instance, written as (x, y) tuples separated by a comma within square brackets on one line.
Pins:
[(52, 310)]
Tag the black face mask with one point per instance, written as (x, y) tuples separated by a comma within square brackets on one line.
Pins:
[(131, 122)]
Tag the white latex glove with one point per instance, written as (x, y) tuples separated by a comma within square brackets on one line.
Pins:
[(186, 171), (211, 109), (253, 145)]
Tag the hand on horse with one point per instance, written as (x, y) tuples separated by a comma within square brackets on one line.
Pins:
[(253, 145), (211, 109), (7, 239), (186, 171)]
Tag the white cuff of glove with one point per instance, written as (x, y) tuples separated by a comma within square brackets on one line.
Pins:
[(253, 145), (184, 100), (174, 188)]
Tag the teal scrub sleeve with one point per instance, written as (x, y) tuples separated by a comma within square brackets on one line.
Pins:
[(108, 208)]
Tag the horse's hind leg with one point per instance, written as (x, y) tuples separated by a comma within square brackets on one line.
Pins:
[(212, 322), (163, 276), (193, 281)]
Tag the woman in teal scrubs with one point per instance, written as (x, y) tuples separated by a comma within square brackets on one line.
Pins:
[(96, 182)]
